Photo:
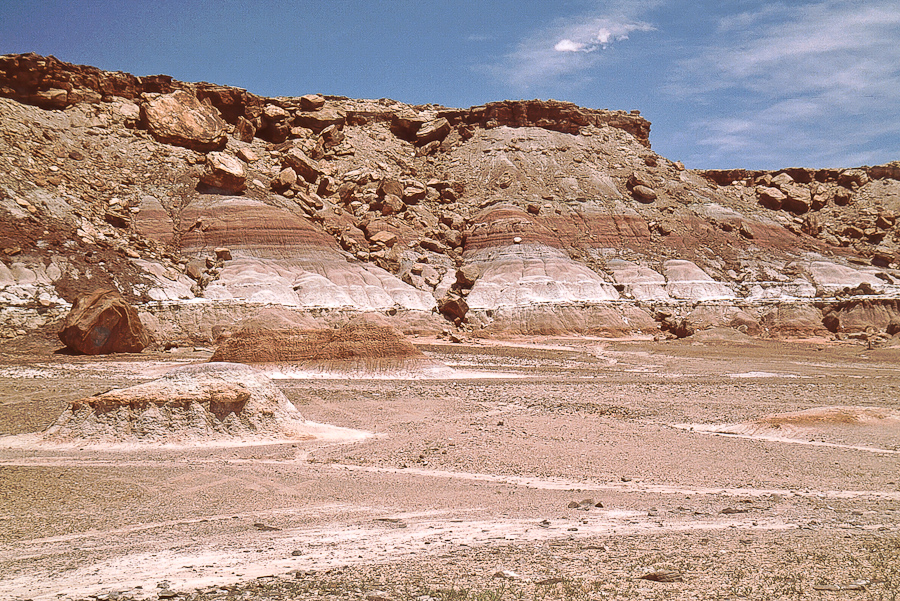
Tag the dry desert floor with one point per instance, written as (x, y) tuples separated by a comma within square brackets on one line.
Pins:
[(552, 469)]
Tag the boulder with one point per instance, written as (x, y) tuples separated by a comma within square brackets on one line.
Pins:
[(390, 185), (771, 198), (851, 178), (842, 197), (433, 131), (782, 179), (453, 306), (286, 178), (391, 205), (101, 323), (302, 165), (639, 178), (414, 191), (180, 119), (54, 98), (384, 238), (312, 102), (224, 172), (274, 113), (332, 136), (644, 194), (405, 126), (319, 119), (797, 198), (467, 275), (244, 130)]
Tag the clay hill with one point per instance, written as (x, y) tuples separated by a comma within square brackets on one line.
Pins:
[(206, 403), (204, 204)]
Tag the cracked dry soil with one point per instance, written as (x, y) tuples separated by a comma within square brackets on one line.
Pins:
[(476, 487)]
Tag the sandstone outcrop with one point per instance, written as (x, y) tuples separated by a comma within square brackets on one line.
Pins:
[(101, 323)]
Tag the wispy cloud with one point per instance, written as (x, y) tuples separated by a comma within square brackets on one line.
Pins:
[(824, 77), (598, 34), (566, 50)]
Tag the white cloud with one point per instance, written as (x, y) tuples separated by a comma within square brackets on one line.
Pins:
[(567, 50), (599, 33), (568, 45), (819, 79)]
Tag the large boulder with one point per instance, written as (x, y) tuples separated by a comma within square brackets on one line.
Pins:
[(101, 323), (180, 119)]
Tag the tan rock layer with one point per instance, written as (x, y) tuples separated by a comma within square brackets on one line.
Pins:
[(803, 175), (554, 115)]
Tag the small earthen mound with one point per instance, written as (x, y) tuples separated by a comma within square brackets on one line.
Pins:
[(101, 323), (840, 425), (821, 417), (358, 345), (191, 404)]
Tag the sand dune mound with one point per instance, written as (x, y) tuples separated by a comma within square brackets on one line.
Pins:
[(844, 425), (191, 404), (359, 346)]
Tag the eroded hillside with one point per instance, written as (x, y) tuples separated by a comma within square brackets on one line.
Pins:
[(203, 203)]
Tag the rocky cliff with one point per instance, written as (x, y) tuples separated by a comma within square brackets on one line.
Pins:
[(204, 204)]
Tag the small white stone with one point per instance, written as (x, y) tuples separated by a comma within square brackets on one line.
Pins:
[(517, 240)]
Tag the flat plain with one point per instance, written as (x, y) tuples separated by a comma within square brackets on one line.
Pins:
[(539, 469)]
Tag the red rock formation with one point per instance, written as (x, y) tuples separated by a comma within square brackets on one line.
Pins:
[(567, 320), (30, 78), (51, 83), (793, 319)]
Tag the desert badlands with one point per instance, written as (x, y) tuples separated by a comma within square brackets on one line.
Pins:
[(318, 347)]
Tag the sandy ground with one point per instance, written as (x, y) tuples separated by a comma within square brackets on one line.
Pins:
[(475, 486)]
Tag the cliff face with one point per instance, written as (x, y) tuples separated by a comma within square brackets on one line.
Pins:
[(204, 203)]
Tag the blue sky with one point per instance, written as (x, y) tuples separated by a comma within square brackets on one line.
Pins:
[(735, 83)]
